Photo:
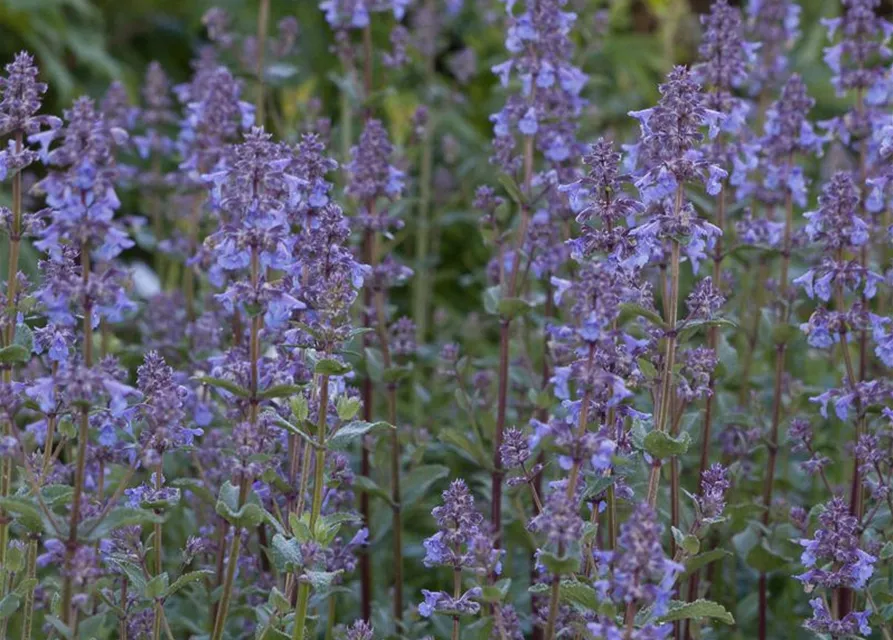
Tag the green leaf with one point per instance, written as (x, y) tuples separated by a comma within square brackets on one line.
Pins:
[(578, 593), (762, 558), (647, 368), (300, 409), (9, 605), (353, 431), (513, 307), (15, 559), (492, 298), (226, 385), (187, 579), (97, 529), (395, 374), (597, 485), (54, 494), (280, 391), (278, 601), (512, 188), (24, 337), (497, 592), (559, 564), (347, 407), (629, 310), (367, 484), (130, 569), (691, 328), (784, 333), (286, 553), (660, 445), (307, 436), (248, 515), (14, 354), (689, 543), (329, 367), (697, 610), (196, 486), (320, 580), (327, 527), (419, 480), (886, 551), (156, 587), (25, 513)]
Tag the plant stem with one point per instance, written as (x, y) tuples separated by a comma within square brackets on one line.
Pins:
[(365, 466), (7, 335), (397, 523), (780, 351), (245, 483), (83, 436), (422, 237), (30, 574), (582, 423), (157, 543), (504, 339), (263, 20), (316, 505), (666, 388), (457, 592)]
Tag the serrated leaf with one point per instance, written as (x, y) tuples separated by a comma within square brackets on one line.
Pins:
[(226, 385), (286, 553), (701, 560), (660, 445), (347, 407), (186, 579), (300, 408), (579, 594), (697, 610), (353, 431), (329, 367)]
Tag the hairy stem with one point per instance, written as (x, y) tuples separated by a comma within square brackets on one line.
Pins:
[(316, 505), (7, 335)]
